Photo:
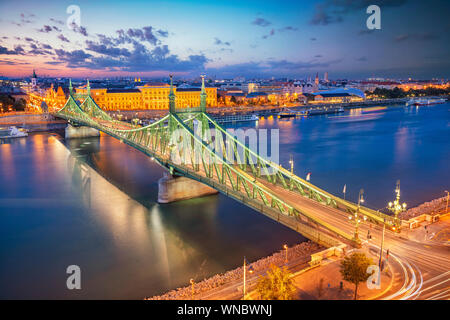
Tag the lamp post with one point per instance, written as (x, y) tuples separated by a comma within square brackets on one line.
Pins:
[(382, 242), (285, 247), (245, 271), (356, 216), (192, 283), (448, 196), (291, 162), (395, 206)]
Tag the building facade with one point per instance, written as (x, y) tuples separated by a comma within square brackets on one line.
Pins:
[(151, 96)]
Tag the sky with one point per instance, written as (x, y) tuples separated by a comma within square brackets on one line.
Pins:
[(224, 39)]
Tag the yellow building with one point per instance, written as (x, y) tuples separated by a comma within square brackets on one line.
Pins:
[(54, 100), (153, 96)]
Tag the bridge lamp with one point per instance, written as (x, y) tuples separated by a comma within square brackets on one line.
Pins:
[(350, 217), (365, 218)]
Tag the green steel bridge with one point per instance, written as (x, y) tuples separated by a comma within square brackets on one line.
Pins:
[(183, 143)]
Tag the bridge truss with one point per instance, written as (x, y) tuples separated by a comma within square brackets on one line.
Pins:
[(190, 143)]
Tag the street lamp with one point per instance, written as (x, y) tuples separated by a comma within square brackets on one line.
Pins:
[(192, 283), (250, 270), (285, 247), (356, 216), (448, 196), (291, 162), (382, 242), (395, 206)]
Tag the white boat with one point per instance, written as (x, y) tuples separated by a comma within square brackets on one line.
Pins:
[(235, 118), (13, 132), (425, 102)]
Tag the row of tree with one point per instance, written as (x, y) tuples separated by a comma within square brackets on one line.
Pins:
[(9, 103), (399, 93), (277, 284)]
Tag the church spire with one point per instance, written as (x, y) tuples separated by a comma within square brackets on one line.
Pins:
[(171, 97), (70, 87), (203, 96), (88, 87)]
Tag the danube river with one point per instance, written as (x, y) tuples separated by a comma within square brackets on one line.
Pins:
[(92, 202)]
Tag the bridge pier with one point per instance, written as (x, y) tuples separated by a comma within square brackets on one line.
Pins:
[(80, 132), (171, 189)]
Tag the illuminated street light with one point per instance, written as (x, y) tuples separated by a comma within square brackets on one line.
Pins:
[(448, 196), (192, 283), (250, 270), (395, 206), (291, 162), (285, 247), (356, 216)]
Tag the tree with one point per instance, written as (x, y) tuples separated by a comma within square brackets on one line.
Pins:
[(354, 269), (20, 104), (276, 285)]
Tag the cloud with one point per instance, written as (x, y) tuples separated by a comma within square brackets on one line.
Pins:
[(57, 21), (73, 59), (62, 38), (4, 50), (219, 42), (79, 29), (313, 39), (332, 11), (24, 19), (271, 33), (361, 59), (270, 68), (322, 17), (106, 50), (415, 36), (45, 29), (261, 22), (110, 58), (13, 63), (162, 33), (288, 28), (131, 35)]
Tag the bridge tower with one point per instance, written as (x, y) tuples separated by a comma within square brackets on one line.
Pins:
[(203, 96), (171, 97)]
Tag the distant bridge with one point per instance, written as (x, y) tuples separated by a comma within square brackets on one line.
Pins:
[(181, 141)]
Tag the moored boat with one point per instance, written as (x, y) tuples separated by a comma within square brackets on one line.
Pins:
[(425, 102), (12, 132)]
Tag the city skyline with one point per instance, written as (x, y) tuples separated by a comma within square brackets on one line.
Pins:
[(225, 39)]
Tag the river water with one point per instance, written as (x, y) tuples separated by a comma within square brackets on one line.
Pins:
[(92, 202)]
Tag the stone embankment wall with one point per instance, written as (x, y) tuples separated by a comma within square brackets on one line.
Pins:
[(301, 250), (432, 207)]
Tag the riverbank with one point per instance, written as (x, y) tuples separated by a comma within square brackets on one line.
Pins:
[(261, 110), (433, 207), (301, 251), (32, 122)]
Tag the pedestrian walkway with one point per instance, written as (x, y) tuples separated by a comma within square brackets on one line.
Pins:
[(324, 282), (437, 233)]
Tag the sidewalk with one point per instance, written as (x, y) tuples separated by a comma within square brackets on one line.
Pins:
[(435, 233), (323, 282)]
